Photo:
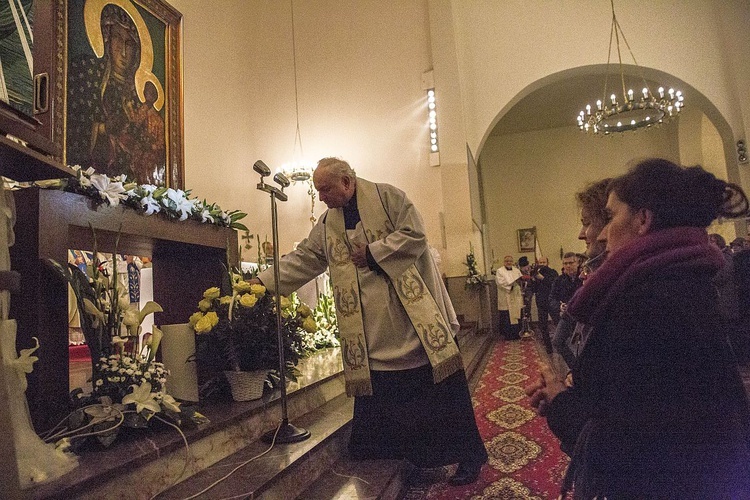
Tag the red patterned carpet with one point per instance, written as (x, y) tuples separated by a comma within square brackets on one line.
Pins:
[(525, 461)]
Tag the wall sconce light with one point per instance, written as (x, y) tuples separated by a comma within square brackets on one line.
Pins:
[(432, 120), (428, 84)]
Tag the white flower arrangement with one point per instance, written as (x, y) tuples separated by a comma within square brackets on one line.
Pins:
[(118, 373), (473, 278), (147, 198)]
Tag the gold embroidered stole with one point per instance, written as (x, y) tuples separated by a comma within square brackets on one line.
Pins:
[(433, 330)]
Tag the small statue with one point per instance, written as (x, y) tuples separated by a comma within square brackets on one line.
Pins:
[(37, 461)]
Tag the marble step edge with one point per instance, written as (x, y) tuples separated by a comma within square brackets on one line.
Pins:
[(361, 479), (287, 469), (153, 461), (474, 350)]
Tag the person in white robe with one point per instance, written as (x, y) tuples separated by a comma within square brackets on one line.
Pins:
[(397, 324), (509, 297)]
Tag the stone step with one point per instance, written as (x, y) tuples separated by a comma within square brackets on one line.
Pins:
[(157, 462), (361, 479), (148, 461), (283, 472)]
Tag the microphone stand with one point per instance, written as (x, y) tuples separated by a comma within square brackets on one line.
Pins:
[(287, 433)]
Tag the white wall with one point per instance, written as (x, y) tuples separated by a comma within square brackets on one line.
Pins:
[(361, 98), (503, 48), (359, 67), (530, 179)]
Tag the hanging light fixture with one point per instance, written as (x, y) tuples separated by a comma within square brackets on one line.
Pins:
[(299, 170), (632, 112)]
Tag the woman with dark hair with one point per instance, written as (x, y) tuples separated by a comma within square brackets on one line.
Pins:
[(657, 409)]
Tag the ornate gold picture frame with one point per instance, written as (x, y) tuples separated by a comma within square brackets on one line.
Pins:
[(122, 91)]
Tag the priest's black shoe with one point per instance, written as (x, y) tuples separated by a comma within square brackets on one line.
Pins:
[(466, 473)]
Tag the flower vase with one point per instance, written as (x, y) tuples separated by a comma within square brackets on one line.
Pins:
[(246, 386), (37, 461), (177, 349)]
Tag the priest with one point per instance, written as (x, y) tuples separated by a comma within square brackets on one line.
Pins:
[(396, 323), (509, 298)]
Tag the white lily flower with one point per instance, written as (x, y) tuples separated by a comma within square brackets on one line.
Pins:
[(170, 403), (130, 318), (206, 216), (119, 342), (151, 205), (123, 300), (143, 398), (102, 413), (180, 202), (113, 192)]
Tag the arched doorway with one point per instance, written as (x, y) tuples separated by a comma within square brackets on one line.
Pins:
[(533, 158)]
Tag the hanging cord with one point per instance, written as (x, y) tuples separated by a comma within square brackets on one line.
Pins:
[(298, 135), (609, 55), (616, 26)]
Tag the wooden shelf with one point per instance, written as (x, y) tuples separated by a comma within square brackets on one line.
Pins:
[(22, 163)]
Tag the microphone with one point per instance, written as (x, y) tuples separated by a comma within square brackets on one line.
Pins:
[(281, 179), (261, 168)]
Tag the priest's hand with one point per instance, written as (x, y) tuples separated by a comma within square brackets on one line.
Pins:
[(359, 255)]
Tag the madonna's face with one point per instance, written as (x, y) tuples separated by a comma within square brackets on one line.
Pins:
[(123, 50)]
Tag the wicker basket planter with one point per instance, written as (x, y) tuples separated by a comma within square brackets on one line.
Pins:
[(246, 386)]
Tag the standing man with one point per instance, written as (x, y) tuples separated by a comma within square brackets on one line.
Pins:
[(542, 280), (562, 291), (395, 317), (509, 298)]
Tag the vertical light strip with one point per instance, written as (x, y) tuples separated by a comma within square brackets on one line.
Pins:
[(432, 121)]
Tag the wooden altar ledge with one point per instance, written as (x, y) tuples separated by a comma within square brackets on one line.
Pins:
[(188, 257)]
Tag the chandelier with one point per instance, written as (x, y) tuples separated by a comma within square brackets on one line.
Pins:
[(631, 112), (299, 170)]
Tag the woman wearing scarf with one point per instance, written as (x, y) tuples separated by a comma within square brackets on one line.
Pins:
[(657, 409), (592, 200)]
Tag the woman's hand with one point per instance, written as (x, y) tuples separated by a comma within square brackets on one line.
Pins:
[(545, 389)]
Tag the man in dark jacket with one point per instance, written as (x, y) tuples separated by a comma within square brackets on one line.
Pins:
[(541, 285), (566, 284)]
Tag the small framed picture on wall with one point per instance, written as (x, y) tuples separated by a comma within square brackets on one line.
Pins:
[(526, 239)]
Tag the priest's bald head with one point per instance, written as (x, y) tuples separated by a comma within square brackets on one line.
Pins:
[(335, 182)]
